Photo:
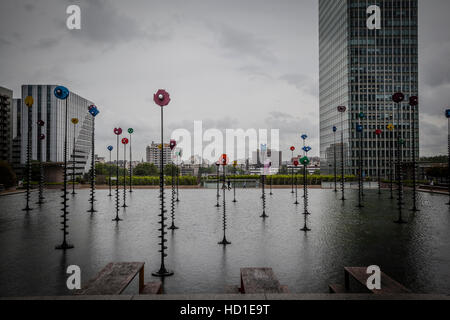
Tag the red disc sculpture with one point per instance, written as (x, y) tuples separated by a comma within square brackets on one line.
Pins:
[(125, 141), (292, 149), (161, 98), (341, 108), (223, 160), (398, 97), (413, 101), (173, 144), (296, 163), (118, 131)]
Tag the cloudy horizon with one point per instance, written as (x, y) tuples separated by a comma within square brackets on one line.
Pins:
[(231, 64)]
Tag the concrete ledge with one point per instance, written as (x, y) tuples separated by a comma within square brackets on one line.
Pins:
[(243, 297)]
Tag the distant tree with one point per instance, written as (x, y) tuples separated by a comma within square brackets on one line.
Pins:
[(283, 170), (435, 159), (7, 175), (437, 172), (168, 169), (145, 170)]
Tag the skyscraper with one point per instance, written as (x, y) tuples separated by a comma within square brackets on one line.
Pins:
[(48, 108), (368, 51), (6, 96)]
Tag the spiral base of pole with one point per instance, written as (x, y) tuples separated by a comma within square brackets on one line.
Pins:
[(162, 272)]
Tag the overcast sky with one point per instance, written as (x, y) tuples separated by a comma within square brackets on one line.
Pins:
[(232, 64)]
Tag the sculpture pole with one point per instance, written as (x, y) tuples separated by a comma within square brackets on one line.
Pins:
[(341, 110), (62, 93), (93, 110), (124, 142), (41, 137), (110, 148), (117, 132), (130, 131), (413, 102), (74, 122), (162, 99), (398, 98), (29, 103)]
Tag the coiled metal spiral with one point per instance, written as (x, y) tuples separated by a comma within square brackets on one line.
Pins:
[(224, 216), (41, 183), (263, 197), (27, 196), (172, 208), (92, 196), (162, 220), (305, 201)]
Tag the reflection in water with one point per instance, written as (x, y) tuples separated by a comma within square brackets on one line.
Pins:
[(416, 254)]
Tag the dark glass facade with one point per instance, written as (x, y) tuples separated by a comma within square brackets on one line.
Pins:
[(361, 70)]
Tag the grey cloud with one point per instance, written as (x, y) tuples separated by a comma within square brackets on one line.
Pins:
[(241, 44), (102, 23), (302, 82)]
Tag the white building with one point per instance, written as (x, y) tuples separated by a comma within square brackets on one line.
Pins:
[(153, 154)]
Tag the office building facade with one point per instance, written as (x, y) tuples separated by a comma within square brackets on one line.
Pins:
[(368, 51), (6, 100), (51, 110)]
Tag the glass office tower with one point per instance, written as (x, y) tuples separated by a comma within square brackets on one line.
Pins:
[(48, 108), (361, 66)]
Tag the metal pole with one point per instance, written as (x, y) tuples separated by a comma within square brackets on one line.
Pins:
[(334, 156), (131, 168), (296, 190), (264, 215), (413, 127), (342, 159), (305, 199), (29, 137), (124, 176), (73, 161), (117, 219), (110, 164), (178, 178), (64, 244), (399, 169), (360, 181), (448, 168), (217, 195), (224, 217), (92, 199), (41, 168), (234, 188), (172, 207), (292, 170), (163, 272)]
